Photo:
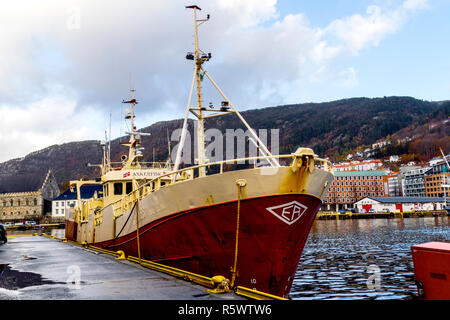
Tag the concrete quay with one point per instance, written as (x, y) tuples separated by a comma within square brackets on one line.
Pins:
[(39, 268)]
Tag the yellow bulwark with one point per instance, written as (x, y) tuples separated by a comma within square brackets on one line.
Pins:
[(125, 203)]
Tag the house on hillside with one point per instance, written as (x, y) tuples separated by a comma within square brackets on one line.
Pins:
[(394, 158), (26, 196)]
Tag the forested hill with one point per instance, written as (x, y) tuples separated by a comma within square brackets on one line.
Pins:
[(335, 127), (331, 129)]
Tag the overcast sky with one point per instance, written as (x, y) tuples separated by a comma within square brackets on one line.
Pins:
[(66, 65)]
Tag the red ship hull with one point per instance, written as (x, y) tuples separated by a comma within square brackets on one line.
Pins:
[(272, 233)]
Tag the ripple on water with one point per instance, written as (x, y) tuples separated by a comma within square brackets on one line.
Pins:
[(341, 258)]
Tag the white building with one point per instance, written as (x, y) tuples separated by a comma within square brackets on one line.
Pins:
[(394, 185), (413, 183), (368, 165), (400, 204), (68, 199), (393, 158)]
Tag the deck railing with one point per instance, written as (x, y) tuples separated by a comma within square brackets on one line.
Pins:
[(127, 202)]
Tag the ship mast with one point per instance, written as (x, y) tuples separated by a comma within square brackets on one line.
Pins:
[(135, 151), (200, 111)]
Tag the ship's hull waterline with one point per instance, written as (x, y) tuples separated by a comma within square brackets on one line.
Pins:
[(193, 225)]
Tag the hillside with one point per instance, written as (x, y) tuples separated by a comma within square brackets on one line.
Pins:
[(331, 129), (421, 141)]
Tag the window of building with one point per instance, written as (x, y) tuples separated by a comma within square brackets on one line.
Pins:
[(118, 188), (57, 211), (35, 202)]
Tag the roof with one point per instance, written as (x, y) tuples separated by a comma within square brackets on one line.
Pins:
[(406, 199), (360, 173), (393, 174), (359, 163), (87, 192), (25, 182)]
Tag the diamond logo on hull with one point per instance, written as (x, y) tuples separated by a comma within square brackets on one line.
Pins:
[(288, 212)]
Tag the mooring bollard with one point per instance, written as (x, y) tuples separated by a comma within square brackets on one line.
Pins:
[(121, 255)]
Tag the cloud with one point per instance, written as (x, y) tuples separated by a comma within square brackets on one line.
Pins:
[(416, 4), (349, 78), (77, 59), (357, 31), (45, 122)]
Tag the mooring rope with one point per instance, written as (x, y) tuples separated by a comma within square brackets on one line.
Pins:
[(240, 184)]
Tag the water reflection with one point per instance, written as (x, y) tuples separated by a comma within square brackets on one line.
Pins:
[(340, 257), (13, 279)]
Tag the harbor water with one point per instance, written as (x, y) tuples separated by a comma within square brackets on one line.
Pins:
[(364, 258)]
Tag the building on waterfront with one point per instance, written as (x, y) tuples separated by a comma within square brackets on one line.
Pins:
[(26, 197), (349, 187), (358, 165), (437, 178), (401, 176), (68, 199), (413, 183), (400, 204), (435, 185), (394, 185)]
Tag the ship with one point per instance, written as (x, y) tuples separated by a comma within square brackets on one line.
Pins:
[(246, 224)]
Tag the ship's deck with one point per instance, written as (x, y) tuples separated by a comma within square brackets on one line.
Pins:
[(36, 267)]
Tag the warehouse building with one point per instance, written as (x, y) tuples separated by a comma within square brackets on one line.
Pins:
[(351, 186), (400, 204)]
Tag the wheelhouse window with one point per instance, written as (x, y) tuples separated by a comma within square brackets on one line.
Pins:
[(118, 188), (129, 187)]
